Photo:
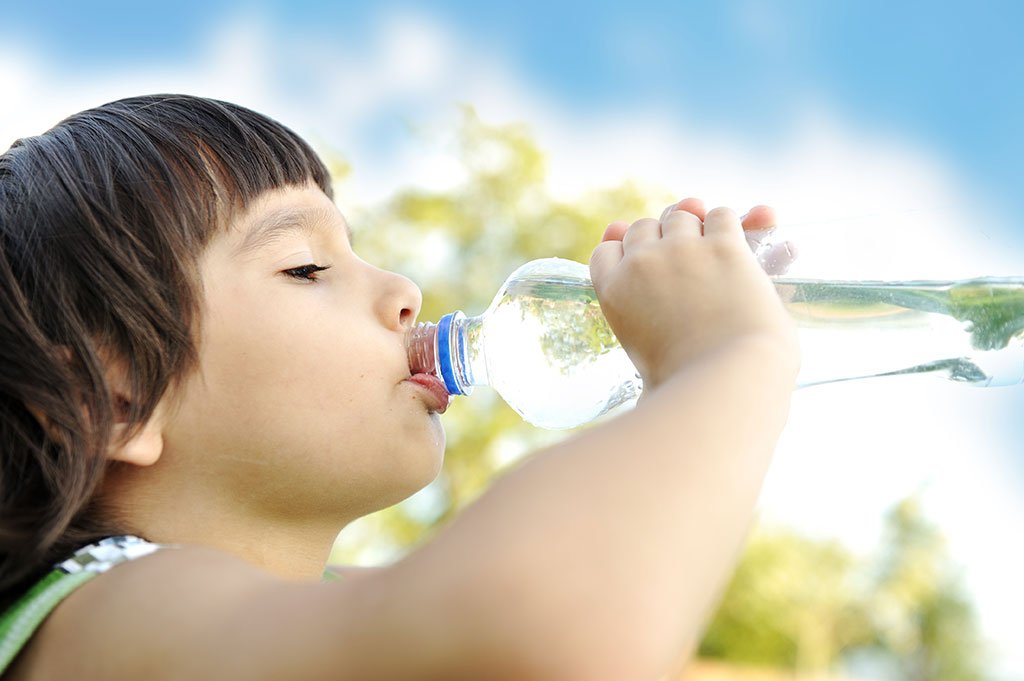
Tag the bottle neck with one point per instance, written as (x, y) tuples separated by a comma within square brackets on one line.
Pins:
[(452, 350)]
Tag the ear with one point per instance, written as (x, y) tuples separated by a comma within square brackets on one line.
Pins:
[(147, 444), (144, 447)]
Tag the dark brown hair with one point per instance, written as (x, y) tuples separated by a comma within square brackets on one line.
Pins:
[(102, 221)]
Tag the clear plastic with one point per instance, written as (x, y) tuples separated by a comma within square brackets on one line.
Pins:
[(545, 347)]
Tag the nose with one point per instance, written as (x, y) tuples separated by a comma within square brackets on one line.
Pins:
[(400, 302)]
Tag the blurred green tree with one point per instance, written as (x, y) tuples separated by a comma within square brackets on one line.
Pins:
[(792, 602), (812, 607), (921, 612)]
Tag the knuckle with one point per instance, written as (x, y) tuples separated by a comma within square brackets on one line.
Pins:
[(679, 214), (644, 258), (688, 217), (721, 212)]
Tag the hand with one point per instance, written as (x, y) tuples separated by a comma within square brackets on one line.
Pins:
[(677, 288), (758, 227)]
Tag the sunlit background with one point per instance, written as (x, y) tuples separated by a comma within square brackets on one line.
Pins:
[(886, 135)]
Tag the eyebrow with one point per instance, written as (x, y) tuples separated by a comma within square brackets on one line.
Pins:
[(285, 222)]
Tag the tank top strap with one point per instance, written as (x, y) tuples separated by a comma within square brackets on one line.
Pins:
[(26, 615)]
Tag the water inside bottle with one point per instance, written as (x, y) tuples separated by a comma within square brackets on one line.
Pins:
[(569, 368), (563, 365), (967, 331)]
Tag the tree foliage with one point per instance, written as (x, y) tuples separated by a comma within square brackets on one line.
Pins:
[(812, 607)]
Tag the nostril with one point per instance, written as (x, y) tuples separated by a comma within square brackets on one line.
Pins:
[(406, 317)]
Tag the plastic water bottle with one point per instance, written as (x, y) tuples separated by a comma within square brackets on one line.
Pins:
[(545, 347)]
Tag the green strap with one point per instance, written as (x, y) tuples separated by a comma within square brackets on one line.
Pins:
[(19, 622), (22, 619), (330, 575)]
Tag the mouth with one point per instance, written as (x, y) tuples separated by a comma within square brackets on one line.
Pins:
[(433, 389)]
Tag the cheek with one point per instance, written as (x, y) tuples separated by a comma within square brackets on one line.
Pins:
[(268, 354), (248, 334), (287, 368), (292, 352)]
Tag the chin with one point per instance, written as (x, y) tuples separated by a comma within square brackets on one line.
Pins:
[(426, 469), (428, 448), (413, 470)]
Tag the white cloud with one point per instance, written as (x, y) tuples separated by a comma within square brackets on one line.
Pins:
[(850, 451)]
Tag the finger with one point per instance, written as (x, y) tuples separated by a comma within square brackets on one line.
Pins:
[(695, 206), (647, 229), (615, 231), (778, 258), (605, 256), (722, 222), (759, 217), (691, 205), (681, 223)]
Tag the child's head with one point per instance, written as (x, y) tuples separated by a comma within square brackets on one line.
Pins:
[(156, 349)]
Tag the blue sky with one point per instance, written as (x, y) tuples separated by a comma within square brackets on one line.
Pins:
[(905, 113), (949, 74)]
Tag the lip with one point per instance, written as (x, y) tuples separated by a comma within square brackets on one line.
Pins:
[(433, 389)]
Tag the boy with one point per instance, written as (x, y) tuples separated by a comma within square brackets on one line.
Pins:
[(194, 355)]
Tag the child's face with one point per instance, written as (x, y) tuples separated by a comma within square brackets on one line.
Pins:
[(300, 405)]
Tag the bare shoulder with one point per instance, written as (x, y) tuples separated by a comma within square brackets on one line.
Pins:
[(188, 612), (199, 613)]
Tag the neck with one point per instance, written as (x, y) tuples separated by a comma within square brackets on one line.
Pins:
[(289, 546)]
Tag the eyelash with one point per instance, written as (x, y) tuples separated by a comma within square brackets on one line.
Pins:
[(306, 272)]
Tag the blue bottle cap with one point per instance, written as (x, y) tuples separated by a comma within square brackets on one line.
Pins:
[(444, 354)]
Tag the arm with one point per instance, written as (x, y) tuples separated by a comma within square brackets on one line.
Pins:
[(603, 556), (573, 566)]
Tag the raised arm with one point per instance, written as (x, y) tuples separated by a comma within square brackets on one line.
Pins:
[(601, 558)]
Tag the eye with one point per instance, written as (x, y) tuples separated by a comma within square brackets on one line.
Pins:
[(306, 272)]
